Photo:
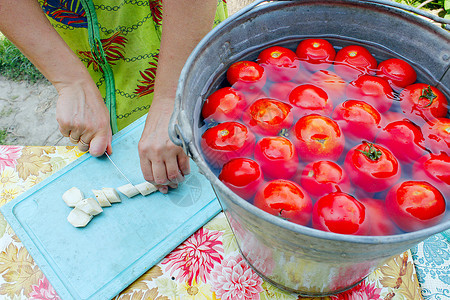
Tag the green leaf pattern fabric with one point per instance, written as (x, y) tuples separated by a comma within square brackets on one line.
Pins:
[(130, 32)]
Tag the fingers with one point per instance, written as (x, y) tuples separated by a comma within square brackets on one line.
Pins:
[(100, 143), (96, 145), (164, 168)]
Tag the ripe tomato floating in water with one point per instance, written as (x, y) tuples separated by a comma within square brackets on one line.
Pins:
[(397, 72), (331, 83), (277, 156), (246, 75), (437, 135), (357, 119), (225, 141), (404, 139), (374, 90), (353, 61), (285, 199), (323, 177), (372, 167), (280, 63), (315, 54), (339, 212), (268, 116), (415, 205), (318, 137), (422, 103), (309, 99), (225, 104), (377, 218), (435, 169), (243, 176)]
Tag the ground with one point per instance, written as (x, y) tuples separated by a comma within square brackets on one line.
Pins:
[(27, 111)]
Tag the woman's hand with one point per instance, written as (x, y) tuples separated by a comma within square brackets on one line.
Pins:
[(83, 117), (162, 162), (80, 110)]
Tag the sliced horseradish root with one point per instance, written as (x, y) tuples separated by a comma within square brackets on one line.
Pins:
[(111, 195), (146, 188), (89, 206), (72, 196), (79, 218), (128, 190), (101, 198)]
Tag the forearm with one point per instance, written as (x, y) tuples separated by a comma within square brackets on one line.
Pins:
[(185, 23), (24, 23)]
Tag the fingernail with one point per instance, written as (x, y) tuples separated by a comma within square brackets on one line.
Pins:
[(164, 189)]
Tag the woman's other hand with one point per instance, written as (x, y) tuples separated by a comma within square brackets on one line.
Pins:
[(82, 115)]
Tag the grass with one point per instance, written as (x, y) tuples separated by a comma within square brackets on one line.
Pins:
[(3, 135), (442, 7), (14, 65)]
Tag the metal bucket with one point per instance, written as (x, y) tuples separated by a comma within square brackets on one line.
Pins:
[(297, 258)]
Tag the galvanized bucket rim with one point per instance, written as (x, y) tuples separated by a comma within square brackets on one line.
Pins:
[(184, 139)]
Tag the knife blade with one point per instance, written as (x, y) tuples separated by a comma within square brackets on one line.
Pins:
[(117, 168)]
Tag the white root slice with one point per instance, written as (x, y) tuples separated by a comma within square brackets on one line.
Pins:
[(111, 195), (128, 190), (89, 206), (72, 196), (79, 218), (101, 198), (146, 188)]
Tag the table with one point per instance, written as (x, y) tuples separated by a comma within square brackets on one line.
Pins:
[(208, 264)]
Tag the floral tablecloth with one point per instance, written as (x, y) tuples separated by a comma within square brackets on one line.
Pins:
[(208, 264)]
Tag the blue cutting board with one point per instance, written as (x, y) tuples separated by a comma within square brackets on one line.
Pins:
[(125, 240)]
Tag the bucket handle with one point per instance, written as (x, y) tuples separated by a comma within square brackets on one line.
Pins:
[(176, 133), (445, 22)]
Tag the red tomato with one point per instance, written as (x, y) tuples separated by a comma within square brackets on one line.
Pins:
[(318, 138), (437, 135), (371, 167), (435, 169), (268, 116), (371, 89), (281, 90), (322, 177), (307, 99), (243, 176), (280, 63), (246, 75), (225, 104), (331, 83), (377, 218), (277, 157), (315, 54), (353, 61), (285, 199), (415, 205), (226, 141), (421, 102), (339, 213), (357, 119), (404, 139), (397, 72)]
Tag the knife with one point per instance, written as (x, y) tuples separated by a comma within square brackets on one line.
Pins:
[(117, 168)]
